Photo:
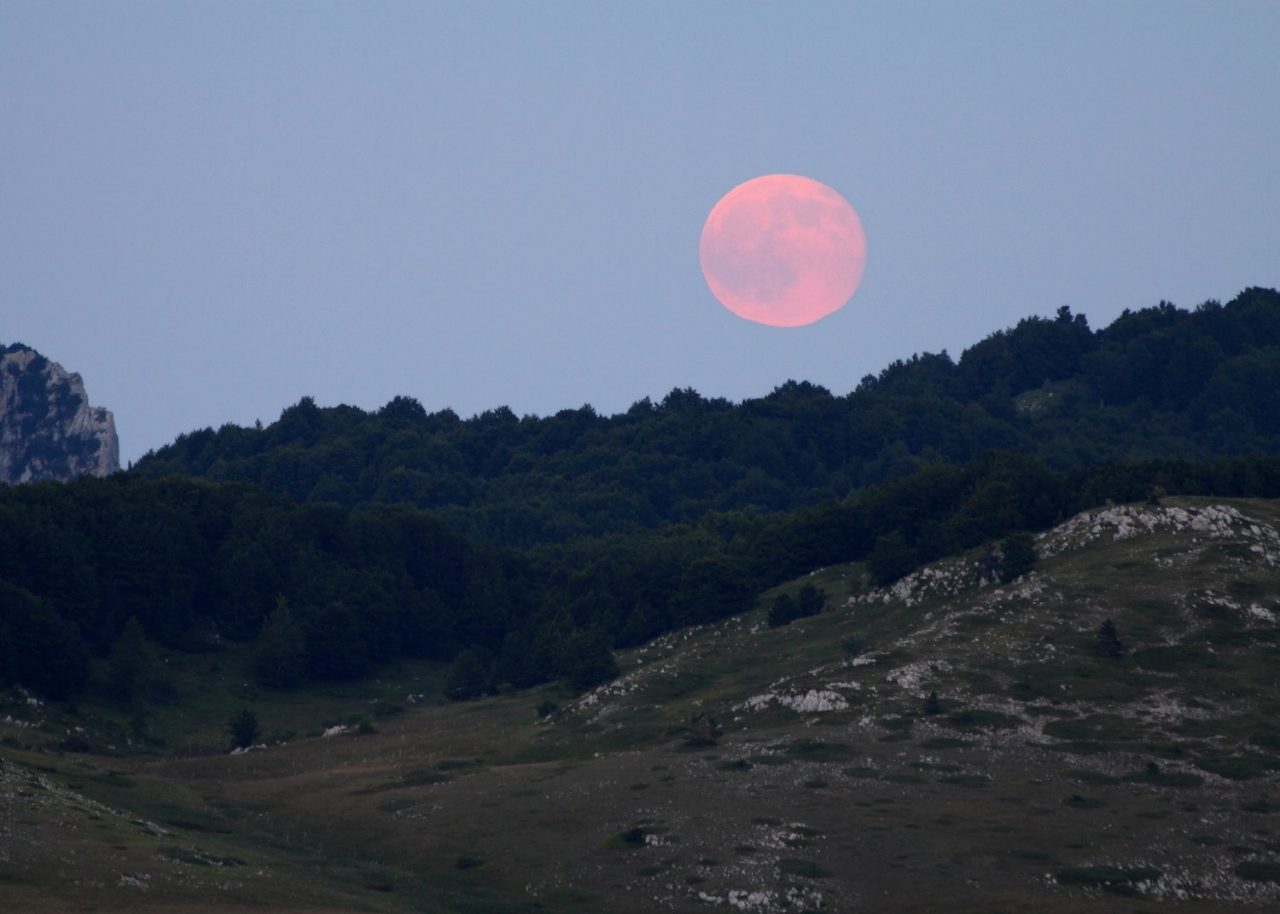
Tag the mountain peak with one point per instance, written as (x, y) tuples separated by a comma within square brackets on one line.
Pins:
[(48, 430)]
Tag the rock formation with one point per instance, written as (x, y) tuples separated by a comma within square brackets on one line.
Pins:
[(48, 430)]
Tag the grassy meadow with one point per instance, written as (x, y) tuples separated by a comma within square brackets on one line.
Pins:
[(731, 766)]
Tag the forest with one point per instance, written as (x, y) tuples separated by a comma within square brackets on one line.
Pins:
[(523, 549)]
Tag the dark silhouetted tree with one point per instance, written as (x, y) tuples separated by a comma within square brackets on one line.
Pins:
[(810, 601), (587, 660), (468, 677), (243, 729), (891, 558), (1017, 556), (702, 730), (336, 646), (280, 656), (130, 666), (783, 610), (39, 650), (1108, 642)]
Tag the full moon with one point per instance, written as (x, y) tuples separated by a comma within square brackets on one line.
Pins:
[(783, 250)]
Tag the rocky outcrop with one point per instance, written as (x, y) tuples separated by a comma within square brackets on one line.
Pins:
[(48, 430)]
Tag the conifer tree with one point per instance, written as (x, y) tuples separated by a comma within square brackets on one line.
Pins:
[(130, 667), (243, 729), (890, 559), (588, 660), (280, 656), (810, 601), (1108, 642), (783, 611), (1017, 556), (468, 677)]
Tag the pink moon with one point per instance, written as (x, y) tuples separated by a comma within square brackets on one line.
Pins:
[(783, 250)]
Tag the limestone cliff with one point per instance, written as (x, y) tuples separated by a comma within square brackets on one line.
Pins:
[(48, 430)]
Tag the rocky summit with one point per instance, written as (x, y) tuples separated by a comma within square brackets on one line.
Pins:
[(48, 430)]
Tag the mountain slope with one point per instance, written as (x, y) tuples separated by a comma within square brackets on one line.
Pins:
[(1055, 774)]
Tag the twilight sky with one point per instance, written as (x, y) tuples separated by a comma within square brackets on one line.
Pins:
[(213, 209)]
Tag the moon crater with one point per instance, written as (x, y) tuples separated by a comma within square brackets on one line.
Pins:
[(783, 250)]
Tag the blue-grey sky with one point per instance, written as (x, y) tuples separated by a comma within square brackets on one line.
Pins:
[(213, 209)]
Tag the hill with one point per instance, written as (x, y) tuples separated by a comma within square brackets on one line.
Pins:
[(737, 766), (588, 665), (1158, 383), (537, 566), (97, 573)]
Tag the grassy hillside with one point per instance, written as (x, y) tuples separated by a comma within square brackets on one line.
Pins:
[(732, 766)]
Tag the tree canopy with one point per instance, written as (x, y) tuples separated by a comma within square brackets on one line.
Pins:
[(523, 550)]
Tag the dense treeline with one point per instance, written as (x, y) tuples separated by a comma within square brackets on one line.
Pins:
[(196, 562), (327, 592), (643, 584), (525, 550), (1158, 382)]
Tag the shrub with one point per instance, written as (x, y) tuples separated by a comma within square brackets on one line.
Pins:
[(701, 731), (1239, 767), (966, 780), (1154, 774), (812, 750), (76, 742), (243, 728), (1108, 642), (587, 660), (1075, 801), (809, 601), (783, 611), (454, 764), (890, 559), (131, 664), (468, 677), (854, 645), (1085, 776), (945, 742), (1259, 871), (1111, 878), (980, 718), (896, 724), (1017, 556), (792, 866), (280, 653), (632, 837), (1261, 805), (860, 772)]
